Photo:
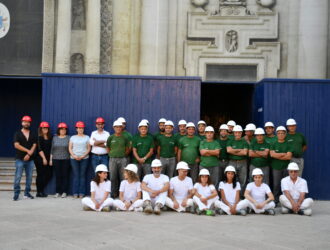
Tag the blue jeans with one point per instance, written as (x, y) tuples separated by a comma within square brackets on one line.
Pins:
[(28, 166), (79, 176), (99, 159)]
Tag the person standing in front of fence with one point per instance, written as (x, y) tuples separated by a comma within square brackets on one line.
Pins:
[(223, 157)]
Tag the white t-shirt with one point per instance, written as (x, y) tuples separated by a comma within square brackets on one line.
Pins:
[(98, 137), (100, 189), (230, 192), (258, 193), (204, 191), (156, 183), (130, 190), (300, 186), (181, 187)]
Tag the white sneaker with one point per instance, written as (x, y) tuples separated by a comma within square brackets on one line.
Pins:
[(308, 212), (138, 209), (56, 195), (64, 195), (284, 210)]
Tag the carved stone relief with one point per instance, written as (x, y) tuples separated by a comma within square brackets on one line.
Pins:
[(231, 41), (77, 63), (106, 36), (78, 15)]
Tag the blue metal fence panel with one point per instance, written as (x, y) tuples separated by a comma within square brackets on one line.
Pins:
[(306, 102)]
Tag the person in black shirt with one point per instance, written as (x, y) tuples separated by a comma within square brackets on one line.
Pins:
[(25, 143)]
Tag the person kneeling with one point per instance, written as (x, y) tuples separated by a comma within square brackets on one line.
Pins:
[(154, 188), (294, 190), (255, 194), (129, 191), (180, 192), (100, 191)]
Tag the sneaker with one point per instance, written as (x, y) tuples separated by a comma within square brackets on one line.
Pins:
[(198, 211), (307, 212), (15, 198), (64, 195), (285, 210), (86, 208), (138, 209), (56, 195), (39, 195), (220, 211), (44, 195), (105, 209), (147, 207), (157, 208), (191, 209), (241, 212), (210, 212), (28, 196), (270, 212)]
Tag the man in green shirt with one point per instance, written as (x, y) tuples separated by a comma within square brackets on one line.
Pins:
[(189, 150), (201, 125), (118, 149), (299, 144), (231, 124), (223, 157), (161, 126), (129, 137), (182, 130), (167, 149), (259, 152), (270, 137), (281, 154), (210, 150), (249, 133), (143, 147)]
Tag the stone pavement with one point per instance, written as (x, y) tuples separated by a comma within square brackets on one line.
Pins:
[(49, 223)]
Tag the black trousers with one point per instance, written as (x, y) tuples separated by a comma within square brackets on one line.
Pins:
[(62, 172), (44, 175)]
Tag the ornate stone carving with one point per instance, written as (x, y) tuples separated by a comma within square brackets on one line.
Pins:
[(78, 15), (106, 36), (266, 3), (232, 2), (77, 63), (231, 41), (48, 36), (233, 8), (200, 3)]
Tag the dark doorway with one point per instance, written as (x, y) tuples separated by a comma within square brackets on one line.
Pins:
[(221, 102), (18, 97)]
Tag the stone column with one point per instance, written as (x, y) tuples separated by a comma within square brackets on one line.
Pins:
[(154, 31), (313, 33), (63, 39), (172, 37)]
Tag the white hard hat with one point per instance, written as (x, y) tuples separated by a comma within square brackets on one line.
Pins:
[(231, 123), (259, 131), (121, 119), (117, 123), (223, 126), (291, 122), (250, 127), (204, 172), (132, 167), (162, 120), (101, 168), (230, 169), (237, 128), (293, 166), (169, 123), (156, 163), (182, 165), (269, 124), (201, 122), (209, 129), (280, 128), (182, 122), (190, 124), (145, 120), (257, 171), (143, 124)]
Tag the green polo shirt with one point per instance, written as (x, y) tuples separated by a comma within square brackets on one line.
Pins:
[(297, 141), (238, 144), (270, 140), (167, 146), (129, 136), (143, 144), (223, 152), (189, 148), (117, 145), (259, 161), (178, 136), (209, 161), (231, 137), (202, 137), (282, 147)]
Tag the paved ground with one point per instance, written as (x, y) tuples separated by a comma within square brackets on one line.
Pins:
[(49, 223)]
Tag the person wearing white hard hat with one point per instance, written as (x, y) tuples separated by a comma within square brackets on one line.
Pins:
[(298, 142), (201, 125), (210, 150), (118, 148), (238, 150), (161, 127), (205, 194), (154, 189), (259, 154), (249, 132), (294, 191), (182, 130), (188, 151), (255, 194), (223, 157), (270, 136), (180, 192), (130, 193), (231, 124), (280, 153), (128, 136), (167, 150), (230, 189), (100, 191), (143, 148)]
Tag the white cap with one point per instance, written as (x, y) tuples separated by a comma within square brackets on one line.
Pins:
[(237, 128), (231, 123), (209, 129), (169, 123), (230, 169), (145, 120), (121, 119), (201, 122), (280, 128), (156, 163), (269, 124), (190, 124), (204, 172), (143, 124), (132, 167), (291, 122), (259, 131), (101, 168), (293, 166), (182, 165), (223, 126), (250, 127), (162, 120), (117, 123), (182, 122), (257, 171)]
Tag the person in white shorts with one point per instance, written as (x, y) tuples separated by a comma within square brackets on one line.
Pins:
[(294, 190), (255, 195), (205, 193), (180, 193), (100, 191), (130, 192), (154, 189), (230, 194)]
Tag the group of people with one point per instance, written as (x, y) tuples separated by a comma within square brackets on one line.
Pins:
[(163, 161)]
